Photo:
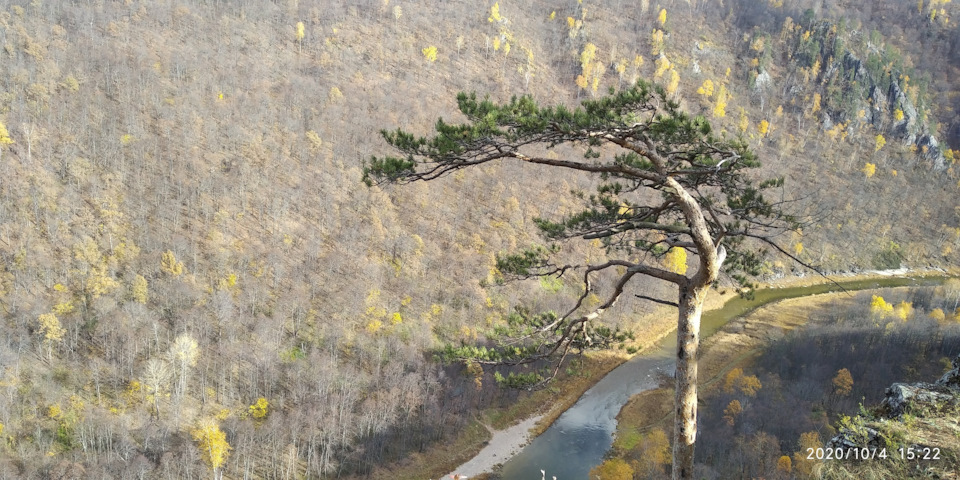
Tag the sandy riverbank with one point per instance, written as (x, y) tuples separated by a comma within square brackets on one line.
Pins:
[(504, 444), (508, 442)]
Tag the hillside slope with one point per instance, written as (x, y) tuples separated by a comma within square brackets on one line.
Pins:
[(183, 230)]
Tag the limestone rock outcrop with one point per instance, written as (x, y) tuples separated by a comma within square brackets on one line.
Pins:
[(904, 398)]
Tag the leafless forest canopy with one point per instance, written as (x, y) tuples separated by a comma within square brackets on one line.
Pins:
[(184, 232)]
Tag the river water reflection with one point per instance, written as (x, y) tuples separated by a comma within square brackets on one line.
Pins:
[(580, 438)]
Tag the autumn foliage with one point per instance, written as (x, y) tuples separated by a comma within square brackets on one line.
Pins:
[(212, 443), (192, 168)]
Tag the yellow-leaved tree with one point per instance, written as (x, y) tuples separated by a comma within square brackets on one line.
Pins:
[(139, 289), (4, 138), (170, 265), (301, 32), (581, 83), (592, 69), (674, 83), (706, 89), (904, 310), (587, 57), (656, 42), (676, 260), (662, 18), (51, 330), (656, 451), (663, 65), (735, 379), (495, 13), (843, 383), (213, 446), (720, 107), (734, 408), (260, 409), (430, 53), (801, 462), (762, 128), (621, 68), (637, 63), (879, 143), (880, 307), (613, 469), (784, 464), (869, 169)]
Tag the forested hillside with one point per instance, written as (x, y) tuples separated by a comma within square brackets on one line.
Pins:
[(195, 279)]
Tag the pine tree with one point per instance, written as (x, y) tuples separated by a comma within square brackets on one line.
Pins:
[(686, 188)]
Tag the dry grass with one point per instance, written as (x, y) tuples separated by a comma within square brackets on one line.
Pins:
[(938, 429), (645, 411)]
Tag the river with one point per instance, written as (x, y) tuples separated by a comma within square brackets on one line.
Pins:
[(582, 435)]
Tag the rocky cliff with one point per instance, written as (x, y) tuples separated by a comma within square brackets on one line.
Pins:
[(917, 426)]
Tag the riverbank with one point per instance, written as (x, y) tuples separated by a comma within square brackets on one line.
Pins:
[(551, 403), (497, 434), (546, 406), (503, 444), (736, 345)]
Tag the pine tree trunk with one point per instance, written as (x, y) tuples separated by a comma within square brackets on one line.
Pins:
[(688, 341)]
